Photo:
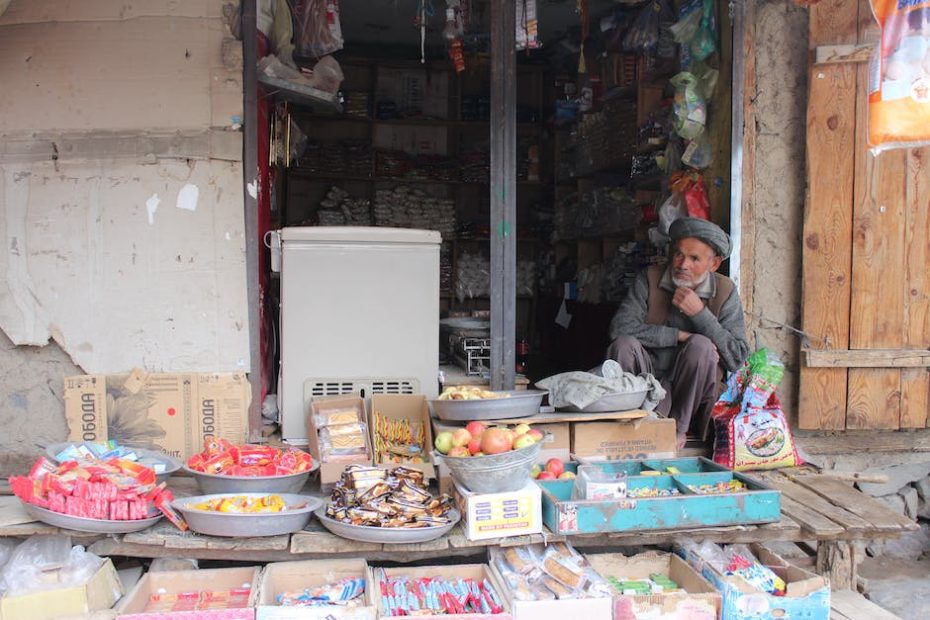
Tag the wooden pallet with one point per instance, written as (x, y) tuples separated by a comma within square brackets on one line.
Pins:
[(849, 605)]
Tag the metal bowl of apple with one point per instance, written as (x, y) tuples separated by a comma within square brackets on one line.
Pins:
[(500, 465)]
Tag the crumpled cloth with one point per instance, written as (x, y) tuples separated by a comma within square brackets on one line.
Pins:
[(580, 389)]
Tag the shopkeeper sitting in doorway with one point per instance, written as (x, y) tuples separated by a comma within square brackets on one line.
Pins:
[(683, 323)]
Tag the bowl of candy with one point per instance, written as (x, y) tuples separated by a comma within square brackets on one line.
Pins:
[(107, 497), (247, 514), (370, 504), (224, 467), (163, 464)]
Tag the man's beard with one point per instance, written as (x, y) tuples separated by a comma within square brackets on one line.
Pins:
[(690, 283)]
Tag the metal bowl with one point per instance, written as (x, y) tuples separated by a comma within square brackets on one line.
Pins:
[(212, 484), (171, 464), (387, 535), (83, 524), (493, 473), (626, 401), (517, 404), (248, 525)]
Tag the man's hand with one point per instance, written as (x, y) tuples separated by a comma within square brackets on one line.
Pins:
[(686, 300), (682, 440), (683, 335)]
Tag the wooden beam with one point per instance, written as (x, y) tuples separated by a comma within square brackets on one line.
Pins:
[(503, 194), (835, 54), (852, 442), (866, 358)]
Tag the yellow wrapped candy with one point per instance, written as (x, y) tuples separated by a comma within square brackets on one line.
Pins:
[(243, 504)]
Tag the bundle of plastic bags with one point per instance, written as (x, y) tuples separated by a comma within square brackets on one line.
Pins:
[(752, 431)]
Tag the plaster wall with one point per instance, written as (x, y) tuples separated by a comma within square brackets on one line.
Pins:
[(121, 208)]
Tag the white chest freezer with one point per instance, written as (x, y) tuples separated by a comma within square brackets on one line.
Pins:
[(359, 313)]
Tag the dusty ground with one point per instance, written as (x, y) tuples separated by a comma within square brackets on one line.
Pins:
[(901, 587)]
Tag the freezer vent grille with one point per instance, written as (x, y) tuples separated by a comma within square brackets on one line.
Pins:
[(364, 387), (332, 388), (392, 387)]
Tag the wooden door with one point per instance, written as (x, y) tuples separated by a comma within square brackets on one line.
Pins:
[(866, 258)]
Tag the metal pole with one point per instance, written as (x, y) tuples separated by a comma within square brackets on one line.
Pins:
[(250, 180), (503, 193), (736, 143)]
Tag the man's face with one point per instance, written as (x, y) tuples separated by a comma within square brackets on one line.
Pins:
[(692, 261)]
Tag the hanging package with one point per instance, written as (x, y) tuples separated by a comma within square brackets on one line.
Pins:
[(690, 109), (899, 76), (318, 30), (643, 35), (703, 44)]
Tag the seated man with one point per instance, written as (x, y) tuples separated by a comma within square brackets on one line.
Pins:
[(680, 322)]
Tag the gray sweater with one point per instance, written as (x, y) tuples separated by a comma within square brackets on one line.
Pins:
[(727, 332)]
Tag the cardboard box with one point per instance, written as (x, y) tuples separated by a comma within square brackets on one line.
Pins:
[(399, 407), (498, 515), (173, 413), (581, 608), (98, 593), (557, 444), (699, 600), (330, 472), (807, 595), (456, 571), (295, 576), (178, 582), (642, 439)]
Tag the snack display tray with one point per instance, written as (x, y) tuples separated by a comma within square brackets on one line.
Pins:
[(389, 535), (171, 464), (212, 484), (247, 525), (757, 504), (518, 404), (627, 401), (82, 524)]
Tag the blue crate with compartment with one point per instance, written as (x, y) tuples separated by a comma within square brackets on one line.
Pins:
[(657, 494)]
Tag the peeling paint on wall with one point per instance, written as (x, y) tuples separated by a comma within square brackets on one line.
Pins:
[(151, 205), (187, 197)]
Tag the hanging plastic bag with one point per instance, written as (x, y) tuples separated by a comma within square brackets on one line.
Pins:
[(899, 85), (673, 208), (689, 109), (643, 35), (699, 153), (703, 44), (692, 188), (318, 30)]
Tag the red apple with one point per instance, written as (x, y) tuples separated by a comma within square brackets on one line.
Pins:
[(534, 473), (535, 434), (460, 437), (566, 475), (475, 428), (522, 441), (495, 441), (545, 475), (459, 451), (555, 467), (474, 446)]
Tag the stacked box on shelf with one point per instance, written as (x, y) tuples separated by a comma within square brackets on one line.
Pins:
[(228, 593), (475, 572), (294, 577), (647, 497), (607, 138), (98, 593)]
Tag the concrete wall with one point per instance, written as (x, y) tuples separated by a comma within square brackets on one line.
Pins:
[(120, 199), (779, 112)]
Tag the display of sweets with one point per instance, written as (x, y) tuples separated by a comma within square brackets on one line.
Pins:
[(373, 497), (756, 574), (344, 593), (403, 596), (246, 504), (644, 492), (656, 584), (398, 441), (733, 486), (93, 451), (202, 600), (115, 489), (222, 458), (539, 573)]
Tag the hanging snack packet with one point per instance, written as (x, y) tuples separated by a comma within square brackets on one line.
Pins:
[(899, 76)]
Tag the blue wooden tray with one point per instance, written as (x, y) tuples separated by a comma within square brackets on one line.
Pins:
[(757, 504)]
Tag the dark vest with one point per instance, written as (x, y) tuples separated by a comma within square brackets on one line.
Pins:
[(660, 300)]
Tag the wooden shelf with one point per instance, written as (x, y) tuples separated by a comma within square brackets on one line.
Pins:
[(351, 177), (426, 122)]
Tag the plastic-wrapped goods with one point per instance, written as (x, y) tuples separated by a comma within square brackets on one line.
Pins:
[(540, 573), (690, 109), (407, 207), (318, 31), (25, 572), (899, 84), (751, 429)]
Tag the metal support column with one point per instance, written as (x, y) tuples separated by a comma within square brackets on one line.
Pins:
[(503, 193), (250, 194), (736, 144)]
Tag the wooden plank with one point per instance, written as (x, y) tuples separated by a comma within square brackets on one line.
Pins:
[(827, 235), (915, 385), (882, 518), (166, 535), (835, 54), (814, 524), (838, 561), (852, 442), (746, 47), (847, 604), (852, 523), (834, 22), (12, 512), (867, 358), (878, 265)]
